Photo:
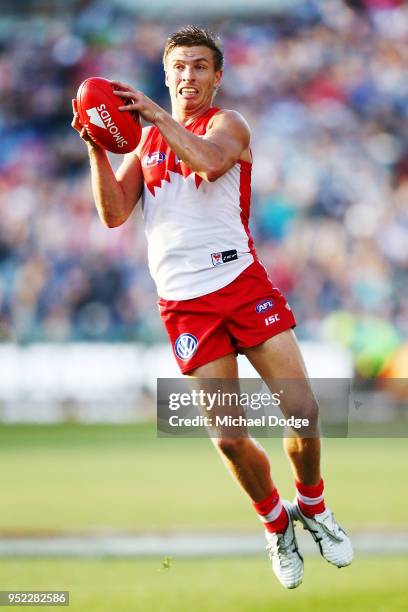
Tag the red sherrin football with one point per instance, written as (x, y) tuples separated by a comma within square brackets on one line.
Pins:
[(114, 130)]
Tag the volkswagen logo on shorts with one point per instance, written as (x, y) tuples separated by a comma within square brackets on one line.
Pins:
[(185, 346)]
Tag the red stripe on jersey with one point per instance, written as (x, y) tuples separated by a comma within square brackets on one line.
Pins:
[(245, 201)]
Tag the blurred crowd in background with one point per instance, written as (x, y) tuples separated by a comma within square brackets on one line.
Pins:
[(324, 88)]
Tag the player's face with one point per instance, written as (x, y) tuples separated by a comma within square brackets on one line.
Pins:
[(191, 77)]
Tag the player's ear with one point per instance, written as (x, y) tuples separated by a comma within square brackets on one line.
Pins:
[(218, 77), (166, 79)]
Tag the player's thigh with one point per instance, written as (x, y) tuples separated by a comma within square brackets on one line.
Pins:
[(219, 379), (224, 367), (279, 362), (278, 357)]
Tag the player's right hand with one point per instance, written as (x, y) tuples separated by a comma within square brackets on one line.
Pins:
[(77, 125)]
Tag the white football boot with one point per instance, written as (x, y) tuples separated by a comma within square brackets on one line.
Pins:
[(282, 548), (333, 542)]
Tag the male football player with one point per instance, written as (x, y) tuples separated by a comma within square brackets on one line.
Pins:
[(192, 170)]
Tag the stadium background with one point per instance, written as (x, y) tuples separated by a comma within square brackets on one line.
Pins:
[(323, 86)]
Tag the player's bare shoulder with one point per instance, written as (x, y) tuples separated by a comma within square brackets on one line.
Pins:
[(233, 123), (230, 120)]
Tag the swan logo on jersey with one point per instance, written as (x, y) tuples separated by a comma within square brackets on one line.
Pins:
[(154, 159), (264, 306), (185, 346), (216, 259)]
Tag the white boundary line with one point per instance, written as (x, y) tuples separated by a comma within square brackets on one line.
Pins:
[(183, 544)]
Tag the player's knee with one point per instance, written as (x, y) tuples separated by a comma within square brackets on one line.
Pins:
[(232, 447), (308, 410), (311, 410)]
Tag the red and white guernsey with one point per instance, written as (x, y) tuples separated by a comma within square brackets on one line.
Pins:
[(197, 232)]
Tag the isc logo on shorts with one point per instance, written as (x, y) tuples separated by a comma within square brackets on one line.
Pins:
[(185, 346), (272, 319), (264, 306)]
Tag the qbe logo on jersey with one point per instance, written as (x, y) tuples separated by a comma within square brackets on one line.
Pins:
[(185, 346)]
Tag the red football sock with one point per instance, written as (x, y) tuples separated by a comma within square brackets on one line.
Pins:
[(310, 498), (272, 513)]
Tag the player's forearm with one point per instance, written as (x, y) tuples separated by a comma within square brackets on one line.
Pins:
[(200, 155), (108, 194)]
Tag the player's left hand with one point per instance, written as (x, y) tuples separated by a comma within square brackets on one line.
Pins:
[(138, 101)]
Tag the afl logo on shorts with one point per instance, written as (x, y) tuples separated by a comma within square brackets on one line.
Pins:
[(154, 159), (185, 346), (264, 306)]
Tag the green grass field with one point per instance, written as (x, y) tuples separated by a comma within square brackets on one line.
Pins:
[(78, 477), (81, 478), (220, 585)]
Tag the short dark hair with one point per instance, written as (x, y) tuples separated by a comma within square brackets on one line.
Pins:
[(193, 36)]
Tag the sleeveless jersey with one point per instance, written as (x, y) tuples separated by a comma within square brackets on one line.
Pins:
[(197, 232)]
